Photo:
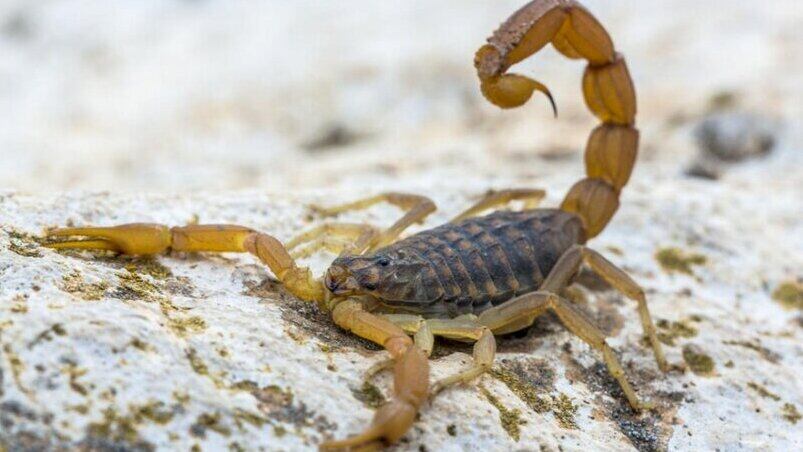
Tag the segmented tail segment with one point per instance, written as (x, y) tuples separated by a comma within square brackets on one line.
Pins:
[(607, 88)]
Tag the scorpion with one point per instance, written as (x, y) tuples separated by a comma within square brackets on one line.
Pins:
[(474, 277)]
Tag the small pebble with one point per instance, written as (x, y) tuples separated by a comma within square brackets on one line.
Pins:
[(736, 136)]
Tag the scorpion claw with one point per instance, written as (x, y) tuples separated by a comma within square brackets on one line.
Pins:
[(88, 244), (134, 238), (390, 423)]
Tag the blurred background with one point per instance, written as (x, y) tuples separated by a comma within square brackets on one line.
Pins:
[(180, 95)]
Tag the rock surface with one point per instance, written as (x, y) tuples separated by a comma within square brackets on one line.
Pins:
[(207, 350), (105, 124)]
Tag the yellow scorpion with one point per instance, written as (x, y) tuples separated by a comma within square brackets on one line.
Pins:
[(476, 276)]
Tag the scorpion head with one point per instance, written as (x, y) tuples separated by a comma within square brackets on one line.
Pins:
[(390, 275)]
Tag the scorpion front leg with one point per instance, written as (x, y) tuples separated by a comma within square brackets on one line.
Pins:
[(411, 375)]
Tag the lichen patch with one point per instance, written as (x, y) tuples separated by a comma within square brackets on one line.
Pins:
[(756, 346), (698, 361), (670, 331), (790, 413), (369, 395), (185, 326), (75, 284), (116, 431), (789, 295), (530, 380), (564, 411), (510, 419), (23, 244), (762, 391), (675, 260)]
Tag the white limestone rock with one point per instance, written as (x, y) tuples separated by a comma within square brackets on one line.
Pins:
[(207, 350)]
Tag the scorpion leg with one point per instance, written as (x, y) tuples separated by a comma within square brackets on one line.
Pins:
[(576, 322), (483, 354), (568, 265), (411, 375), (464, 328), (531, 197), (337, 238), (521, 311), (149, 239), (416, 209), (411, 324)]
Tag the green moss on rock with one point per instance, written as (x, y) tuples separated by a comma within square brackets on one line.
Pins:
[(789, 295), (25, 245), (762, 391), (525, 391), (185, 326), (565, 411), (790, 413), (675, 260), (369, 395), (510, 419), (698, 361), (669, 332), (75, 284)]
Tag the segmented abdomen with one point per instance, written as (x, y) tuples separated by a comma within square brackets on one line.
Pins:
[(481, 262)]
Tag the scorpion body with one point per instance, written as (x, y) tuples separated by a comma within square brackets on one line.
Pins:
[(472, 265), (474, 277)]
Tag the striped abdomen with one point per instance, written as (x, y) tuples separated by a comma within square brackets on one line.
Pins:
[(480, 262)]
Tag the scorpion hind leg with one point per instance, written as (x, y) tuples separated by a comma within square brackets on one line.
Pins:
[(569, 264), (576, 322), (521, 311)]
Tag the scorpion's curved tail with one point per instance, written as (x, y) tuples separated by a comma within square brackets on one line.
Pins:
[(607, 88)]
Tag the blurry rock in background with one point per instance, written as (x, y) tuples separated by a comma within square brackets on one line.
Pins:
[(335, 135), (731, 137)]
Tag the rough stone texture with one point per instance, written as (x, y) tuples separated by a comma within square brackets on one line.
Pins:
[(104, 124), (207, 350)]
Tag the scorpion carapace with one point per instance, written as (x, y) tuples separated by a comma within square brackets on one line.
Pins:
[(464, 267), (607, 87), (474, 277)]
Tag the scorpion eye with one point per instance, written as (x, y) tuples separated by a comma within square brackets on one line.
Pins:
[(369, 286), (383, 261)]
